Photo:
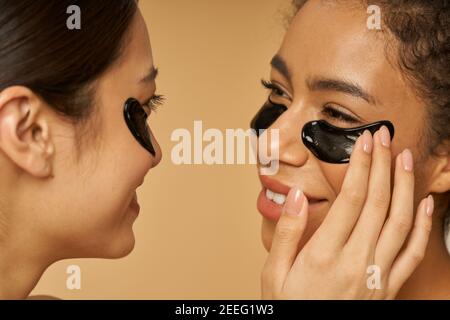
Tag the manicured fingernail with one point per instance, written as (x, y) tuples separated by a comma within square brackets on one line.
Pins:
[(294, 201), (367, 142), (385, 136), (430, 205), (407, 160)]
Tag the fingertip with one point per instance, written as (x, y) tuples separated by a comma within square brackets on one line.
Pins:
[(424, 213), (295, 202), (305, 207), (385, 136), (407, 160), (367, 142), (430, 205)]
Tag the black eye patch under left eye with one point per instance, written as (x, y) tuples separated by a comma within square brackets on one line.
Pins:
[(136, 119), (335, 145)]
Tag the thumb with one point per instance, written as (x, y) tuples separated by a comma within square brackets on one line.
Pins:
[(288, 232)]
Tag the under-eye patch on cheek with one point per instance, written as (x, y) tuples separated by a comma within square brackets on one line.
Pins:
[(266, 116), (335, 145), (136, 119)]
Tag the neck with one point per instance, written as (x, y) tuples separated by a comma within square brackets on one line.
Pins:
[(21, 267), (431, 279)]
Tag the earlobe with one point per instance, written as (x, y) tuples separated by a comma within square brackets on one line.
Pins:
[(440, 182), (447, 168), (24, 132)]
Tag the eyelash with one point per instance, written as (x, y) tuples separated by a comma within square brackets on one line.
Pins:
[(333, 113), (272, 87), (327, 110), (154, 103)]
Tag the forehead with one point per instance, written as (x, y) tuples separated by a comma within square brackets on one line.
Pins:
[(332, 40), (124, 79), (138, 58)]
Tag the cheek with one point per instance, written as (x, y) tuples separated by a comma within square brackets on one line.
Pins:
[(122, 149), (123, 171), (104, 183), (334, 174)]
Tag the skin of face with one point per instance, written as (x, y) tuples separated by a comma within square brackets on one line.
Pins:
[(328, 41), (64, 204)]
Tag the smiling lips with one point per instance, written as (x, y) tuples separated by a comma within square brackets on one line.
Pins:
[(134, 205), (273, 196)]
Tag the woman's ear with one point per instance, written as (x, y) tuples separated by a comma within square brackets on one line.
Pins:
[(440, 180), (24, 131)]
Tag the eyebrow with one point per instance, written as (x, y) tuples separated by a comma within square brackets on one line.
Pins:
[(344, 86), (324, 84), (151, 76), (280, 65)]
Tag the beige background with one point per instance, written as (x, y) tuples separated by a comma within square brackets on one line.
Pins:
[(198, 234)]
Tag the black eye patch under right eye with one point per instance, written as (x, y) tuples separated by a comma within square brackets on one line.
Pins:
[(266, 116)]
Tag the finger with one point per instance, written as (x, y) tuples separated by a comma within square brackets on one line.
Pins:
[(414, 252), (288, 232), (347, 207), (373, 214), (401, 215)]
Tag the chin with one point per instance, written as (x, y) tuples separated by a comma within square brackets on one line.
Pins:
[(120, 242), (120, 247)]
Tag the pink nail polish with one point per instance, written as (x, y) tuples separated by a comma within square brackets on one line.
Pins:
[(385, 136), (430, 205), (294, 201), (367, 142), (407, 160)]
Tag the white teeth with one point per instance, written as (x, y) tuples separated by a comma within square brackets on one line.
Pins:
[(275, 197), (269, 194), (279, 198)]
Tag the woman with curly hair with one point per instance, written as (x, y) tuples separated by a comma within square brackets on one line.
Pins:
[(370, 225)]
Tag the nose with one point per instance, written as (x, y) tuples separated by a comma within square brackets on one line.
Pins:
[(158, 153), (292, 151)]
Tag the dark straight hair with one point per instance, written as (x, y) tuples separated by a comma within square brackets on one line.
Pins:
[(39, 51)]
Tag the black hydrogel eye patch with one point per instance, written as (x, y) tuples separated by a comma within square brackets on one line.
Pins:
[(266, 116), (335, 145), (136, 119)]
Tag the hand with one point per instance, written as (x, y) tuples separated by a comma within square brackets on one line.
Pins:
[(355, 241)]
